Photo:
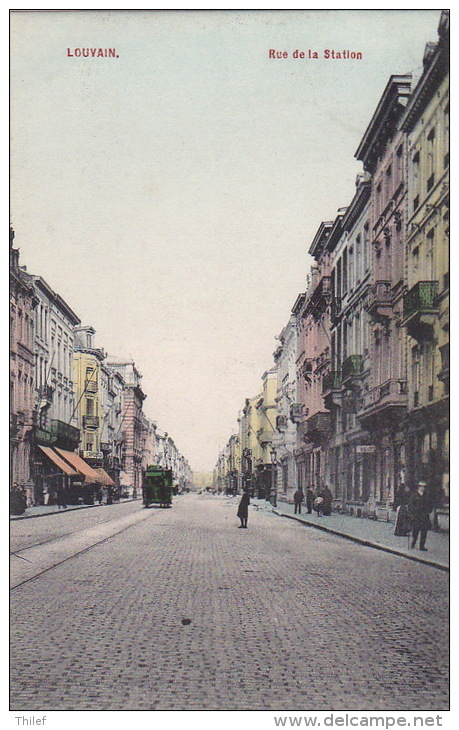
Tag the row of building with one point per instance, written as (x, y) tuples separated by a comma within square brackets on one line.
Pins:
[(358, 397), (76, 413)]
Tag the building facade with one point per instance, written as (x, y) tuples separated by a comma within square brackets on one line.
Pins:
[(426, 302), (349, 471), (57, 422), (313, 361), (132, 428), (288, 410), (383, 154), (88, 361), (23, 302), (111, 401)]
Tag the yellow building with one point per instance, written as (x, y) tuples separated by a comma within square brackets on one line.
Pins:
[(261, 423), (87, 378), (426, 303)]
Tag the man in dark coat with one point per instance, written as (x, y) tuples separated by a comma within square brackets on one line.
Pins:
[(327, 497), (243, 510), (298, 498), (309, 499), (419, 508)]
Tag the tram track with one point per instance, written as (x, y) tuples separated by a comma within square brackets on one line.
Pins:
[(29, 563)]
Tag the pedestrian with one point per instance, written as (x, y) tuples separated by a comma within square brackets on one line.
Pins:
[(61, 497), (327, 497), (402, 521), (419, 509), (243, 509), (298, 498), (319, 505), (309, 499)]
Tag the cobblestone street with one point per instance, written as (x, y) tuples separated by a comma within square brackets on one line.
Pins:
[(182, 611)]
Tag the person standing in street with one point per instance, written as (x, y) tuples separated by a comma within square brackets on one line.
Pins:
[(419, 508), (327, 497), (309, 500), (319, 505), (402, 522), (298, 498), (61, 497), (243, 509)]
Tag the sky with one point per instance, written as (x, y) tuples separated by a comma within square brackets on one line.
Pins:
[(170, 194)]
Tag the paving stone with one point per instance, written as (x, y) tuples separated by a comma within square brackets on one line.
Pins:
[(282, 618)]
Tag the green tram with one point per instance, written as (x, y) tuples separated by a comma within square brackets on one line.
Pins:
[(157, 488)]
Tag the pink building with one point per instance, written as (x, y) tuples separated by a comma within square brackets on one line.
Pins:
[(312, 313), (22, 390), (132, 427)]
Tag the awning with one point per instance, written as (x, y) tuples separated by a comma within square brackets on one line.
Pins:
[(81, 466), (106, 480), (63, 466)]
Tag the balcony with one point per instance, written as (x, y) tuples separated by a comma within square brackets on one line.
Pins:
[(331, 381), (379, 301), (45, 393), (352, 367), (42, 436), (13, 423), (443, 375), (419, 310), (296, 412), (384, 403), (264, 437), (318, 427), (335, 309), (91, 423), (90, 386), (281, 423), (331, 389), (63, 431), (320, 298)]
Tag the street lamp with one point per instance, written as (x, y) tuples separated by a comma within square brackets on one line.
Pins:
[(273, 498)]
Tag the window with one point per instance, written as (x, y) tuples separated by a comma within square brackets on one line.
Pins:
[(416, 203), (430, 182)]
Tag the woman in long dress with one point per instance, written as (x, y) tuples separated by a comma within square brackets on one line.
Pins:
[(243, 510), (402, 520)]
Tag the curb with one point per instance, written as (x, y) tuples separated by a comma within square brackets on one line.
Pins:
[(69, 508), (368, 543)]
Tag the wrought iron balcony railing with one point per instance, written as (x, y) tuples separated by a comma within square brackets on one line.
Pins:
[(335, 309), (45, 392), (352, 366), (319, 423), (91, 422), (379, 299), (420, 299), (59, 429), (331, 381)]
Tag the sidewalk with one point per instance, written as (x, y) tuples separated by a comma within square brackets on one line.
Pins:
[(373, 533), (53, 509)]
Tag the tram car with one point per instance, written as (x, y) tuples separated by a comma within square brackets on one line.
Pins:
[(157, 487)]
